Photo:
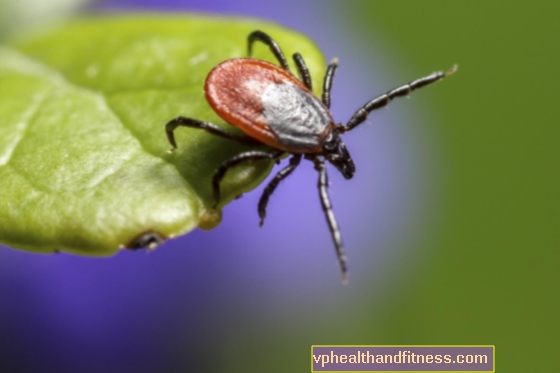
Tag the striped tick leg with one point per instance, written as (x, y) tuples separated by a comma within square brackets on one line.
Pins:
[(208, 127), (361, 115), (327, 83), (249, 155), (281, 175), (304, 75), (274, 47), (331, 220)]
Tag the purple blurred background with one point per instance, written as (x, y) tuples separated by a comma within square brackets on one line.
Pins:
[(198, 300)]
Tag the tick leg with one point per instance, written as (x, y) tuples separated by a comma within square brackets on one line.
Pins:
[(250, 155), (331, 220), (327, 83), (271, 187), (274, 47), (303, 71), (208, 127), (361, 115)]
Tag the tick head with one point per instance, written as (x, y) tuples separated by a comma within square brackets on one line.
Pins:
[(334, 151)]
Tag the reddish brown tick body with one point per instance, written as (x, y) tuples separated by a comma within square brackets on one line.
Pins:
[(265, 102), (273, 107)]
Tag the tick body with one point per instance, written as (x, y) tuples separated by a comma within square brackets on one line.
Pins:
[(268, 104), (275, 108)]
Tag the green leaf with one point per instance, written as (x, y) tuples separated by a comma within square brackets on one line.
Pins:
[(84, 166)]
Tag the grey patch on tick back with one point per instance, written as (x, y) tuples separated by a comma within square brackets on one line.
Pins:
[(297, 117)]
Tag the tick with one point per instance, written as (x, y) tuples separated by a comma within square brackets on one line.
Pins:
[(275, 108)]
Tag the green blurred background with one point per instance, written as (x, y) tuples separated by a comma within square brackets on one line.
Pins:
[(494, 257)]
